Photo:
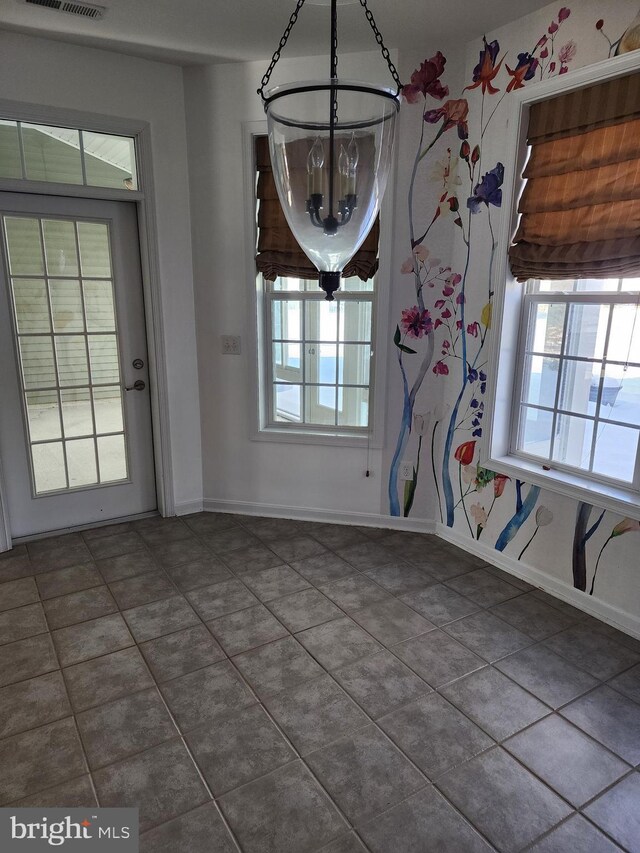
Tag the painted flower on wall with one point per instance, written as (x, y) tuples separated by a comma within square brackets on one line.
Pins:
[(453, 114), (425, 80), (525, 70), (486, 70), (464, 453), (416, 323), (488, 191), (627, 525)]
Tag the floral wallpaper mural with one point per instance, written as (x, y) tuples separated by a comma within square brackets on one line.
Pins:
[(441, 337)]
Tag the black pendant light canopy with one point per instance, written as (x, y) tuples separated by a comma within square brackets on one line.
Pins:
[(331, 145)]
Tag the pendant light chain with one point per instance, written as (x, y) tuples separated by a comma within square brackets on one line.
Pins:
[(276, 56), (384, 49)]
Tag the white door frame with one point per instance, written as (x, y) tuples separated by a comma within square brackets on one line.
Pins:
[(144, 199)]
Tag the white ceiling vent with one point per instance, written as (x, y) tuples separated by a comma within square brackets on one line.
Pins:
[(85, 10)]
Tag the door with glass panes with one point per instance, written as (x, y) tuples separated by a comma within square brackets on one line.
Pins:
[(75, 423)]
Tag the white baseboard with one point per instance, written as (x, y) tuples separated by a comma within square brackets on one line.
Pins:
[(189, 507), (621, 619)]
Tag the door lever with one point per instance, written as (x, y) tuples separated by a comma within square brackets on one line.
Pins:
[(138, 385)]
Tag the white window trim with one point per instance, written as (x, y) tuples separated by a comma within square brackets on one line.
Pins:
[(257, 379), (504, 342)]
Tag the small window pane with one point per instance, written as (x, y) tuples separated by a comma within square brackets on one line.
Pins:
[(60, 247), (630, 284), (287, 284), (31, 304), (579, 387), (321, 321), (547, 327), (108, 409), (536, 426), (76, 412), (621, 395), (572, 445), (25, 248), (546, 286), (540, 380), (48, 467), (596, 285), (353, 364), (355, 321), (321, 363), (43, 413), (66, 306), (52, 154), (353, 407), (287, 362), (95, 257), (587, 330), (616, 451), (81, 462), (286, 320), (10, 162), (98, 301), (287, 399), (112, 458), (624, 342), (320, 405), (109, 161), (38, 368), (72, 360), (103, 352), (356, 285)]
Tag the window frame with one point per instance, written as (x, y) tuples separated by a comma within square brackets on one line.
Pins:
[(508, 329), (259, 363)]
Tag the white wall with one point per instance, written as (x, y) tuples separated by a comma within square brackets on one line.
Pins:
[(54, 74)]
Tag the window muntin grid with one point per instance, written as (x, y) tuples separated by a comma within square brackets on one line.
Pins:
[(65, 327), (577, 405), (319, 370)]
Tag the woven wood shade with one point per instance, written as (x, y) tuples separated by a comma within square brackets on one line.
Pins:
[(580, 209), (278, 251)]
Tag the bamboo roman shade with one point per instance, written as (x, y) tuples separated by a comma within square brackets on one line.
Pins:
[(278, 251), (580, 209)]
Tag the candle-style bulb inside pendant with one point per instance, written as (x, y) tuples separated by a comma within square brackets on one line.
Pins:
[(315, 162)]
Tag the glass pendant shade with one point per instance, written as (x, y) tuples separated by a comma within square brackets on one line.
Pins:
[(331, 146)]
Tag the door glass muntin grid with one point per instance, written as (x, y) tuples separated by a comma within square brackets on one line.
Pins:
[(77, 424), (587, 375), (310, 383)]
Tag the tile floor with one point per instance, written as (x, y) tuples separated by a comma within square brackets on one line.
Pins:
[(273, 686)]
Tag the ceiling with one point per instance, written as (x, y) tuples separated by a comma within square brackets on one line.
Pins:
[(197, 31)]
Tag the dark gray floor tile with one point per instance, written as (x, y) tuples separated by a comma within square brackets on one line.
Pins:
[(126, 566), (115, 546), (76, 793), (121, 728), (32, 703), (221, 598), (488, 636), (372, 533), (79, 607), (548, 676), (380, 683), (252, 559), (323, 568), (106, 678), (246, 629), (204, 523), (296, 548), (241, 747), (346, 844), (39, 759), (338, 643), (315, 713), (438, 658), (399, 577), (336, 536), (367, 555), (628, 683), (284, 812), (277, 666), (483, 588), (575, 835), (495, 703), (572, 764), (22, 622), (621, 637), (268, 584), (618, 814), (171, 554), (182, 652), (439, 604), (204, 695), (441, 565), (391, 621), (424, 822), (565, 608), (163, 782), (519, 583), (272, 529), (355, 592), (162, 617), (593, 652), (47, 555), (91, 639), (106, 530), (199, 831), (227, 541), (503, 800), (72, 579), (304, 609), (534, 617), (142, 589), (17, 593), (162, 531), (199, 573), (434, 734), (26, 659), (365, 773), (611, 718), (14, 567)]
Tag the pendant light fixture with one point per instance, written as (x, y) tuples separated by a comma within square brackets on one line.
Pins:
[(331, 145)]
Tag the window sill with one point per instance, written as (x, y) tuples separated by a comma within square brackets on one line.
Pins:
[(313, 437), (614, 498)]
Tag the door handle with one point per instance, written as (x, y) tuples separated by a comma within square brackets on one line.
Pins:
[(138, 385)]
